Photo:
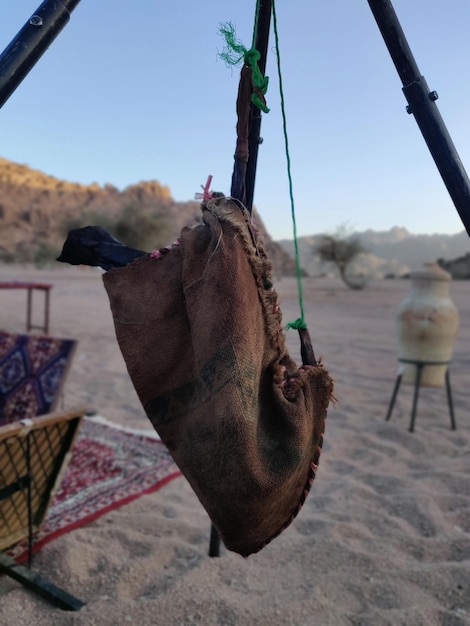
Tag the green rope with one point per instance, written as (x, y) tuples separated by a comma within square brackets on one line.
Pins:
[(236, 52), (299, 323)]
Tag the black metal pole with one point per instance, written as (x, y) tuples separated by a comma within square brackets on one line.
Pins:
[(214, 542), (262, 38), (421, 103), (244, 190), (23, 52)]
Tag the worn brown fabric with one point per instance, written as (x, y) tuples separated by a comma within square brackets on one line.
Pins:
[(199, 327)]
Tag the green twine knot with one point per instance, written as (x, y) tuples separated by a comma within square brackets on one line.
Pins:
[(298, 324), (234, 53)]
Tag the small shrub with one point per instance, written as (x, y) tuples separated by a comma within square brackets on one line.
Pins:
[(45, 254), (139, 229), (136, 228), (341, 249)]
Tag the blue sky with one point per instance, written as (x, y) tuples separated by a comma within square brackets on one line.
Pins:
[(136, 91)]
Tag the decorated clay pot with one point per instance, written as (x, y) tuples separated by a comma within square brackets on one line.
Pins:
[(427, 322)]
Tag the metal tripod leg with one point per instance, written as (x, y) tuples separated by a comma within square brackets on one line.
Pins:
[(419, 372), (214, 545), (394, 397), (453, 425)]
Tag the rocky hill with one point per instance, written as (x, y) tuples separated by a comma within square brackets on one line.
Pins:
[(388, 253), (458, 268), (37, 210)]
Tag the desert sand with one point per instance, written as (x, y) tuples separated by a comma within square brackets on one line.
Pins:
[(384, 536)]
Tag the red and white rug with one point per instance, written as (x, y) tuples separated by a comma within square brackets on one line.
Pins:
[(109, 467)]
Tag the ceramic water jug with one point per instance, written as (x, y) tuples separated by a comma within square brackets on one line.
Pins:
[(427, 323)]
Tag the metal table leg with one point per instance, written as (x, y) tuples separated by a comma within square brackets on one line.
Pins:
[(46, 311), (28, 309)]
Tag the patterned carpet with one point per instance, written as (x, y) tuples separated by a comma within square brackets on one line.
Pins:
[(109, 467)]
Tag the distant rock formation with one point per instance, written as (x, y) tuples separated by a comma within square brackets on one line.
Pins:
[(35, 210), (458, 268), (392, 253), (35, 207)]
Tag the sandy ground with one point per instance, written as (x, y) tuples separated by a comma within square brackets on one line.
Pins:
[(384, 537)]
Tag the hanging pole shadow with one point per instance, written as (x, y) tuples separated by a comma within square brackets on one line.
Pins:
[(25, 50), (422, 104)]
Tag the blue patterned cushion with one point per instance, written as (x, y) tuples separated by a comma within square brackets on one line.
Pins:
[(32, 372)]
